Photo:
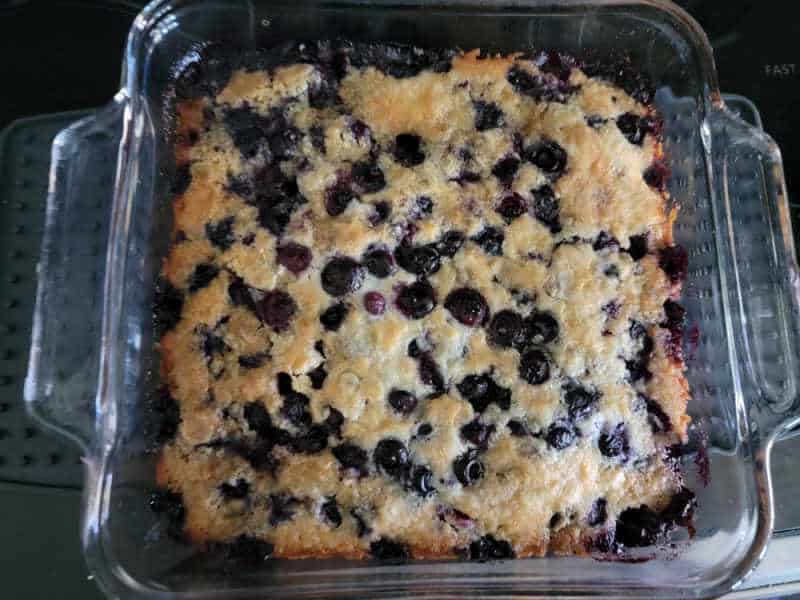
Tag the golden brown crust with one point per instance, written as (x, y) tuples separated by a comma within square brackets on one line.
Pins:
[(225, 354)]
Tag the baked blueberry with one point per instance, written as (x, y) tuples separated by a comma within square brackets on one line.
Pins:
[(295, 409), (379, 262), (314, 440), (423, 207), (658, 420), (542, 88), (418, 260), (656, 176), (333, 422), (408, 150), (167, 307), (674, 261), (635, 127), (481, 391), (518, 428), (388, 550), (487, 115), (362, 529), (468, 469), (252, 361), (234, 491), (534, 367), (240, 294), (258, 419), (421, 481), (614, 443), (505, 169), (281, 508), (220, 234), (548, 155), (488, 548), (424, 430), (212, 344), (351, 456), (540, 328), (506, 329), (603, 241), (598, 513), (367, 178), (333, 316), (545, 208), (330, 512), (581, 402), (341, 276), (637, 246), (491, 240), (295, 257), (338, 198), (284, 383), (381, 212), (391, 458), (511, 207), (276, 308), (375, 303), (416, 300), (477, 432), (203, 274), (560, 435), (468, 306), (638, 527), (450, 243), (182, 179), (317, 377), (402, 401)]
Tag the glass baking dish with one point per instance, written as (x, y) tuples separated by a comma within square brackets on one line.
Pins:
[(92, 365)]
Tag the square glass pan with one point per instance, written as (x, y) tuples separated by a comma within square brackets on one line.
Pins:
[(741, 296)]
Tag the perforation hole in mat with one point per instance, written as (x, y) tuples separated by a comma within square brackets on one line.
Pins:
[(27, 454)]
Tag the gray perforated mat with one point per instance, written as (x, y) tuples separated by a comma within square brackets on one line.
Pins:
[(27, 454)]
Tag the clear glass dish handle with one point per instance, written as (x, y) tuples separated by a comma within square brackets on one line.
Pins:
[(62, 380)]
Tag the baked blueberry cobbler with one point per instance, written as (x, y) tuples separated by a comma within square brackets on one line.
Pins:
[(419, 304)]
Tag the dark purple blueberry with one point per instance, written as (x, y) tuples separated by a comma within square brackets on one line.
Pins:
[(505, 169), (634, 127), (656, 176), (468, 306), (540, 328), (284, 381), (477, 432), (166, 414), (379, 262), (637, 246), (360, 130), (212, 344), (362, 529), (260, 456), (317, 136), (333, 422), (637, 369), (422, 208), (258, 419), (548, 155), (465, 177), (281, 508), (382, 211), (240, 295), (295, 257), (506, 329), (311, 442), (341, 276), (419, 260), (611, 271), (235, 491), (323, 93), (491, 240), (555, 520), (202, 275), (170, 504), (547, 87), (450, 243), (351, 456), (421, 481), (595, 121), (408, 150), (487, 115), (658, 420), (680, 509), (167, 307), (333, 316), (181, 180), (220, 234), (295, 409), (674, 261), (488, 548), (546, 208), (402, 401), (637, 366), (674, 323), (317, 377), (241, 185), (512, 206), (254, 133), (416, 300), (555, 63), (243, 550), (330, 512), (560, 435), (391, 457), (276, 309), (375, 303), (400, 60), (481, 391), (604, 240), (598, 513), (338, 197), (252, 361), (276, 198), (518, 428), (415, 348), (319, 346), (367, 178), (611, 309), (467, 468), (638, 527), (424, 430), (580, 401), (534, 367), (429, 372), (388, 550), (614, 443)]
